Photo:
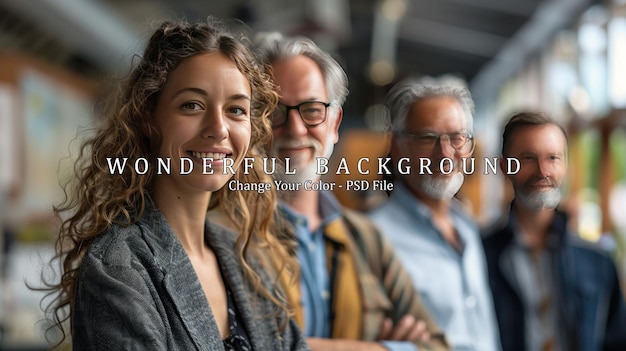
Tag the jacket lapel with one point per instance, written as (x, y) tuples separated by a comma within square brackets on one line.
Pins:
[(505, 260), (222, 241), (181, 283), (347, 291)]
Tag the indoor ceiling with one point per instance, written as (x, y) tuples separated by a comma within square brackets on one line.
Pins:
[(481, 41)]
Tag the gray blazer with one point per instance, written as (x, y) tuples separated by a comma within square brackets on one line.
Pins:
[(137, 290)]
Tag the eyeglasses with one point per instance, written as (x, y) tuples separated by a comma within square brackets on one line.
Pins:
[(463, 142), (313, 113)]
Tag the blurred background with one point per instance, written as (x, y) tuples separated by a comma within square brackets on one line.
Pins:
[(564, 57)]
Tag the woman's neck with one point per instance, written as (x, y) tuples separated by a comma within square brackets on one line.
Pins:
[(186, 215)]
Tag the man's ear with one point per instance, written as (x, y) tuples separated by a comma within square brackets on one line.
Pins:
[(337, 123)]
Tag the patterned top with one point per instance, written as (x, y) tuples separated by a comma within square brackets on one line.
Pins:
[(238, 338)]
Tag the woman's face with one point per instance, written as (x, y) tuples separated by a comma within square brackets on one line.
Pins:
[(203, 113)]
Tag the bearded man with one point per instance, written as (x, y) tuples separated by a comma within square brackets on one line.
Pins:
[(353, 292), (552, 290), (433, 236)]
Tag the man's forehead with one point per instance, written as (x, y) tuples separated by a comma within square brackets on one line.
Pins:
[(538, 139), (299, 76), (436, 110)]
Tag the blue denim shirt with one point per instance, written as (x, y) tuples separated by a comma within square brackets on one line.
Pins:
[(314, 276), (453, 285)]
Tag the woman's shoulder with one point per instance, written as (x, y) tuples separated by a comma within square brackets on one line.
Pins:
[(118, 245)]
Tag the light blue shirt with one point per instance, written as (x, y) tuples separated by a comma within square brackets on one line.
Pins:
[(453, 286), (314, 279), (314, 276)]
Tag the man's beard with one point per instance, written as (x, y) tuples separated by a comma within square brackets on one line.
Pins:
[(536, 200), (304, 169), (439, 187)]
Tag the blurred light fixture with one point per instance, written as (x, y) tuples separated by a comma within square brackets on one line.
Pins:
[(393, 9), (592, 38), (382, 69), (617, 57), (579, 100), (382, 72)]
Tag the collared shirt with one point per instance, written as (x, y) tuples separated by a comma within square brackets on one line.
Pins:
[(315, 279), (453, 285), (531, 274), (590, 305)]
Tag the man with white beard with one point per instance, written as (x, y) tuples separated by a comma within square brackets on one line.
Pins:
[(552, 290), (353, 292), (435, 239)]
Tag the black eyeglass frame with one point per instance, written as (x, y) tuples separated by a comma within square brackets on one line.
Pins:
[(297, 108), (420, 136)]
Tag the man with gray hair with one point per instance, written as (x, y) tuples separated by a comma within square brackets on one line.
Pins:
[(353, 293), (434, 237)]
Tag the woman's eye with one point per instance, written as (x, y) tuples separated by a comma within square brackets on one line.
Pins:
[(237, 111), (191, 106)]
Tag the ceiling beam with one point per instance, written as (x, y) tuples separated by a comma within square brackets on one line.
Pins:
[(88, 27), (450, 37), (514, 7), (550, 17)]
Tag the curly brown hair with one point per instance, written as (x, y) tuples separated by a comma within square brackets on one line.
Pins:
[(96, 199)]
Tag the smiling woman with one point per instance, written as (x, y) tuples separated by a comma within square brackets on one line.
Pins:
[(203, 109), (142, 266)]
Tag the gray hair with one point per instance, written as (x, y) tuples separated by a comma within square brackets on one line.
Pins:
[(406, 93), (273, 46)]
